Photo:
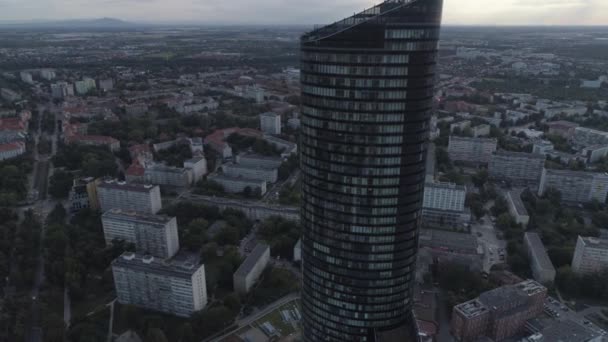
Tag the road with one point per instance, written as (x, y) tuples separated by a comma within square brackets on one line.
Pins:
[(485, 231), (252, 318), (566, 313)]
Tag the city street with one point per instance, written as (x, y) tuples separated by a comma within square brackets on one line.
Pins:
[(485, 231)]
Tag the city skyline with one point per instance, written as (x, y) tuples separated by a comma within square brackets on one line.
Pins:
[(464, 12)]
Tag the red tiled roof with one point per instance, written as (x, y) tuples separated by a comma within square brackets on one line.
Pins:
[(136, 169), (94, 138), (137, 149), (12, 124), (428, 328), (11, 146)]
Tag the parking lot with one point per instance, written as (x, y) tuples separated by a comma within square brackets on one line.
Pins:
[(560, 311)]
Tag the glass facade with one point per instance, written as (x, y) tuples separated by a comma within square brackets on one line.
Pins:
[(367, 93)]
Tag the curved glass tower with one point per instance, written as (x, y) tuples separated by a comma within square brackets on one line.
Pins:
[(367, 88)]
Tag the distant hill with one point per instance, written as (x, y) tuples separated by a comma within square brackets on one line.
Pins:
[(98, 23)]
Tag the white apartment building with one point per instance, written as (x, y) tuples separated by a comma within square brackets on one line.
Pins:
[(84, 86), (471, 150), (258, 160), (584, 137), (590, 255), (443, 205), (542, 268), (269, 175), (198, 167), (62, 90), (106, 85), (154, 235), (238, 184), (135, 197), (160, 174), (26, 77), (521, 169), (47, 74), (270, 123), (251, 269), (575, 186), (175, 286)]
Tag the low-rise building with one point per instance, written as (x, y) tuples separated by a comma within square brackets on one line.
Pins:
[(471, 150), (94, 140), (575, 186), (161, 174), (481, 130), (451, 247), (287, 147), (562, 128), (258, 160), (251, 269), (61, 90), (11, 150), (154, 235), (198, 167), (297, 251), (590, 255), (542, 147), (106, 84), (47, 74), (498, 314), (175, 286), (136, 197), (443, 206), (9, 95), (269, 175), (595, 153), (238, 184), (517, 209), (517, 168), (542, 268)]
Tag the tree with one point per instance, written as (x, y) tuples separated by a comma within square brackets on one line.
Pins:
[(480, 178), (229, 235), (185, 333), (156, 335)]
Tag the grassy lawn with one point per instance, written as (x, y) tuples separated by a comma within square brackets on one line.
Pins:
[(275, 318), (96, 297)]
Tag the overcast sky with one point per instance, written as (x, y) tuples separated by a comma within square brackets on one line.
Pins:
[(470, 12)]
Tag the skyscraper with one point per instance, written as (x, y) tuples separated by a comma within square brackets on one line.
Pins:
[(367, 88)]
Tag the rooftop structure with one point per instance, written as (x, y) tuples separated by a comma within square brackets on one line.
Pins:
[(251, 269), (590, 255), (137, 197)]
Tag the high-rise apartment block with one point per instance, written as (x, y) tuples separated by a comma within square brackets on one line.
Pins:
[(270, 123), (519, 169), (443, 205), (62, 90), (47, 74), (175, 286), (367, 98), (499, 313), (26, 77), (251, 269), (471, 150), (258, 160), (269, 175), (154, 235), (575, 186), (590, 255), (136, 197), (542, 268)]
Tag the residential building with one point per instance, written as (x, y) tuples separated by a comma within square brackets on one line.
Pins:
[(154, 235), (590, 255), (252, 92), (238, 184), (26, 77), (542, 268), (106, 85), (47, 74), (595, 153), (270, 123), (9, 95), (564, 129), (269, 175), (575, 186), (542, 147), (61, 90), (251, 269), (584, 137), (471, 150), (198, 168), (451, 247), (175, 286), (287, 147), (137, 197), (297, 251), (517, 209), (498, 314), (84, 194), (161, 174), (94, 140), (293, 123), (135, 172), (443, 206), (517, 168), (481, 130), (258, 160), (363, 145), (461, 126), (256, 211), (141, 152), (11, 150)]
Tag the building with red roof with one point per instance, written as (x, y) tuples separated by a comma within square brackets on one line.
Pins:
[(12, 150)]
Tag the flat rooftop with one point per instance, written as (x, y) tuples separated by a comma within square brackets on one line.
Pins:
[(222, 177), (113, 184), (511, 154), (472, 308), (538, 249), (469, 139), (447, 239), (131, 215), (520, 208), (594, 242), (182, 265), (445, 185), (252, 260), (574, 174)]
